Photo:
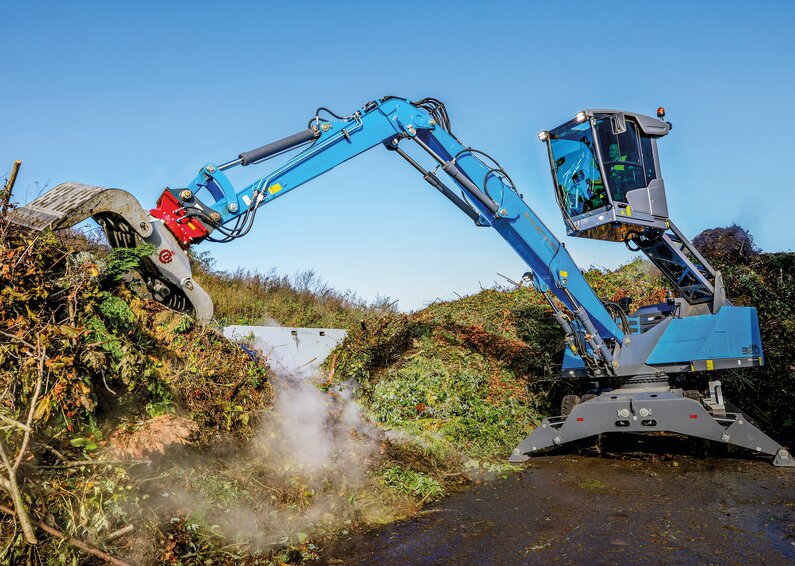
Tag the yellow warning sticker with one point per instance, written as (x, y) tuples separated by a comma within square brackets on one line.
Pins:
[(273, 189), (629, 211), (710, 365)]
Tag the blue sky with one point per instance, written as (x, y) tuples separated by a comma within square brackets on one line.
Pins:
[(140, 95)]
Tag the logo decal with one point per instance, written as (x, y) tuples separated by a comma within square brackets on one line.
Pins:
[(166, 256)]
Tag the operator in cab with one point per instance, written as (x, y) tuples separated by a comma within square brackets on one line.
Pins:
[(614, 154), (617, 172)]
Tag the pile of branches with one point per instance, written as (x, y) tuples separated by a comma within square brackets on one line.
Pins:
[(729, 244), (94, 381)]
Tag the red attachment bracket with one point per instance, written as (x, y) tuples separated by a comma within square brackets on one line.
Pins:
[(186, 229)]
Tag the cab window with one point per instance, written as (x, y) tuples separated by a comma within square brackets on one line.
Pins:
[(626, 156), (577, 175)]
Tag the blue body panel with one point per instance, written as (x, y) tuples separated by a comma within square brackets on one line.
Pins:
[(731, 333)]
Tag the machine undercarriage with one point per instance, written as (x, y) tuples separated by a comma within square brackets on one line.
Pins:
[(648, 405)]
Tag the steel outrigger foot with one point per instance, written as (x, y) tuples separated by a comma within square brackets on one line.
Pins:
[(663, 410)]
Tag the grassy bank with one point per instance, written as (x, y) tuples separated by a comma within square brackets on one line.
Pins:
[(303, 300)]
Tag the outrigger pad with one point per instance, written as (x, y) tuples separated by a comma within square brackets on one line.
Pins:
[(784, 459), (640, 411), (126, 224)]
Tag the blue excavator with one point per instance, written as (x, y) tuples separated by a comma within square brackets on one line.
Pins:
[(608, 184)]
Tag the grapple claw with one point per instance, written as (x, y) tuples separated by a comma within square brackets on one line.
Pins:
[(126, 224)]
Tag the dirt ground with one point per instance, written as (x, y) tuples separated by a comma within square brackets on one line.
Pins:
[(627, 507)]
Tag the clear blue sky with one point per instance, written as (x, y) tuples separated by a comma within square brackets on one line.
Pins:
[(140, 95)]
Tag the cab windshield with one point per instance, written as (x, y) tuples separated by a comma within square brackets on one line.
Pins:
[(577, 174)]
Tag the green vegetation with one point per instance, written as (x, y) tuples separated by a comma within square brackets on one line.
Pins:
[(252, 298), (414, 483), (91, 373), (125, 413), (479, 372), (767, 282)]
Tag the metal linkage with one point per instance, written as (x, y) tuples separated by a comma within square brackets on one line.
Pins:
[(680, 262), (451, 169), (591, 335), (437, 183), (575, 338)]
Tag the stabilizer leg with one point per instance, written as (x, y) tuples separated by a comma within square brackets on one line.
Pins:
[(625, 410)]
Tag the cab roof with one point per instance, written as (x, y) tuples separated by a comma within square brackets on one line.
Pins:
[(650, 126)]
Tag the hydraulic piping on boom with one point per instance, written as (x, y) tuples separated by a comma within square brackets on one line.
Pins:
[(608, 185)]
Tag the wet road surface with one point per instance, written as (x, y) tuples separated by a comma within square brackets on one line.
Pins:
[(575, 509)]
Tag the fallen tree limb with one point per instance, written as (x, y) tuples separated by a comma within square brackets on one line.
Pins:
[(119, 533), (71, 540)]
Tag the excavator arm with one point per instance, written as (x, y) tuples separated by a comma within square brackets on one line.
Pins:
[(211, 208)]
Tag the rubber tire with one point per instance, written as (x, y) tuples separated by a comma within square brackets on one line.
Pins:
[(568, 404), (588, 397)]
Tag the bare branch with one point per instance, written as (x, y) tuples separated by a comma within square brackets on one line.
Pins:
[(5, 196), (11, 486), (73, 541), (36, 392), (20, 340), (15, 423)]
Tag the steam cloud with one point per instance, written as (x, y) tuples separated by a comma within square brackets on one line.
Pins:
[(313, 438)]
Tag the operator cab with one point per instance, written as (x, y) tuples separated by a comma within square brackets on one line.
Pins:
[(606, 173)]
